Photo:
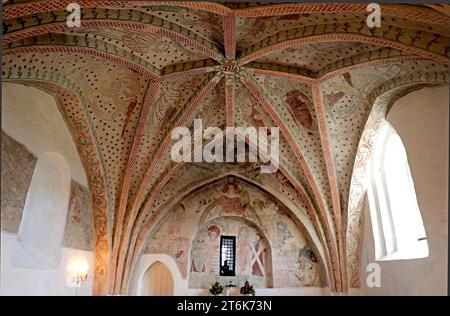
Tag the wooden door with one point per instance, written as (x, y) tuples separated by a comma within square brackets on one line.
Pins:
[(158, 280)]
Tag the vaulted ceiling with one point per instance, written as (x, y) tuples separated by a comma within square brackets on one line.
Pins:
[(134, 70)]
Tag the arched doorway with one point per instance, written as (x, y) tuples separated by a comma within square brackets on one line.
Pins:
[(158, 280)]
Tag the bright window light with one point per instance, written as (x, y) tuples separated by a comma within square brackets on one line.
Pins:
[(397, 223)]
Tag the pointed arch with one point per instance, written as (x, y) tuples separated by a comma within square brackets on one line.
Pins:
[(158, 280), (382, 98), (300, 219), (81, 132)]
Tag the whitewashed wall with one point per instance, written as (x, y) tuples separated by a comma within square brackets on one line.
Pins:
[(20, 281), (31, 117), (421, 120)]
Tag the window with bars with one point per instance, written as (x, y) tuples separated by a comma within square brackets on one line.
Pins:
[(227, 255)]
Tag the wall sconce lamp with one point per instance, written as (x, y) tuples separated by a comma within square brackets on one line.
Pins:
[(78, 273), (81, 274)]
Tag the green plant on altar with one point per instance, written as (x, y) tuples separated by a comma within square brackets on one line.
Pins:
[(248, 289), (216, 289)]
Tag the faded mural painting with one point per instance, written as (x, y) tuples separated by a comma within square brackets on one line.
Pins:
[(266, 237), (252, 254), (17, 170)]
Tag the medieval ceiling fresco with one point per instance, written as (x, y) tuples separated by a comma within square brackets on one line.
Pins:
[(134, 70)]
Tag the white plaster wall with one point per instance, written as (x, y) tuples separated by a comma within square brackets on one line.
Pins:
[(31, 116), (421, 119), (181, 285), (40, 282), (41, 230)]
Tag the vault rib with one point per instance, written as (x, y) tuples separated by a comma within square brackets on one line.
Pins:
[(139, 237), (168, 73), (282, 74), (229, 36), (229, 100), (255, 91), (173, 72), (310, 78), (331, 174), (30, 30), (414, 14), (184, 118), (337, 37), (119, 60), (137, 141), (194, 47), (16, 10)]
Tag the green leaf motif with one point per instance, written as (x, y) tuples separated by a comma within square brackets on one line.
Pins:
[(100, 202), (93, 163), (96, 183)]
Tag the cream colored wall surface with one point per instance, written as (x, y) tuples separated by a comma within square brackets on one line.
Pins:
[(421, 120), (31, 117)]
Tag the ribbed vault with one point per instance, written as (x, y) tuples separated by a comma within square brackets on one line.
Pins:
[(135, 70)]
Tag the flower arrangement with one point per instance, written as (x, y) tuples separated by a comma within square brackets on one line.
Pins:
[(248, 289), (216, 289)]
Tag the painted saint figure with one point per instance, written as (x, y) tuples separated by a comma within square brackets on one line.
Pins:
[(307, 263), (299, 110), (230, 201)]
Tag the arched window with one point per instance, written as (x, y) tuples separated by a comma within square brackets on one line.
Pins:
[(396, 220)]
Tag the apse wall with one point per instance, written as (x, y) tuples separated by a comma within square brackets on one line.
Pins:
[(421, 120), (251, 244), (271, 250)]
